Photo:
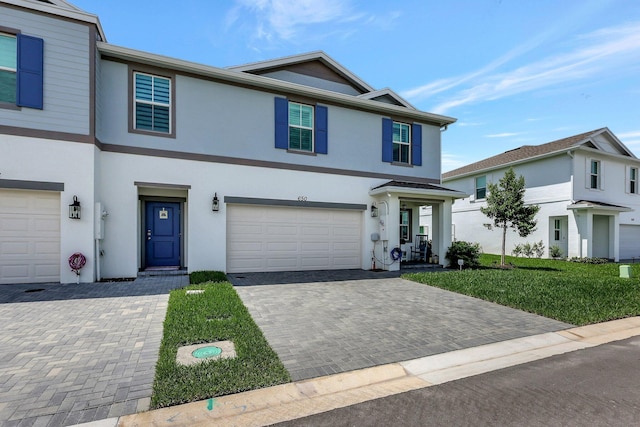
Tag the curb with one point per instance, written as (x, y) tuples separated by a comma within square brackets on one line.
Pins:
[(303, 398)]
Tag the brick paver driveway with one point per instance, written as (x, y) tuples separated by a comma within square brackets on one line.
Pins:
[(78, 353), (324, 328)]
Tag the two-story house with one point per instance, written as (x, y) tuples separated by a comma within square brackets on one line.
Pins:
[(586, 186), (273, 166)]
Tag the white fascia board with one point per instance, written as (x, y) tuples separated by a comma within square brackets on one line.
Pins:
[(75, 13), (412, 192), (576, 206), (269, 84), (387, 91), (603, 153), (507, 165), (305, 57)]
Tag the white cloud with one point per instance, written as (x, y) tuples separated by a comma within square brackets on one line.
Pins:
[(466, 124), (598, 53), (451, 162), (285, 19), (631, 139)]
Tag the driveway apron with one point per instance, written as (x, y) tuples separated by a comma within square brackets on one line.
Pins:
[(77, 353), (325, 328)]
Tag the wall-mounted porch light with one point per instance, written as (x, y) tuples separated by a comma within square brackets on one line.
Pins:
[(374, 211), (215, 203), (74, 208)]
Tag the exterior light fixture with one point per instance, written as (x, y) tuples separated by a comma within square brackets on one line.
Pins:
[(74, 208), (215, 203), (374, 211)]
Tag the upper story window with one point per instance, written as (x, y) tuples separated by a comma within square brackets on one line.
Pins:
[(481, 187), (21, 71), (300, 127), (8, 68), (152, 103), (633, 181), (401, 142), (595, 174)]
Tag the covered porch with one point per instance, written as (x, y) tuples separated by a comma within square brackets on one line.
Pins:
[(400, 237)]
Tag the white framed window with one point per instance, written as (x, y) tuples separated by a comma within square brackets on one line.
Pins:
[(401, 142), (8, 67), (152, 103), (557, 229), (595, 174), (632, 186), (300, 127), (405, 225), (481, 187)]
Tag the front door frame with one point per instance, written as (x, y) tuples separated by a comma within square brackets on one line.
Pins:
[(143, 226)]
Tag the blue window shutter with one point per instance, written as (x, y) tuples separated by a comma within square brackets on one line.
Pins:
[(416, 144), (282, 123), (387, 140), (30, 72), (322, 126)]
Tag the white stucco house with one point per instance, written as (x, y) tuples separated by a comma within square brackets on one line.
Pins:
[(271, 166), (586, 186)]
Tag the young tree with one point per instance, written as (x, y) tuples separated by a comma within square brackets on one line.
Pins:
[(505, 206)]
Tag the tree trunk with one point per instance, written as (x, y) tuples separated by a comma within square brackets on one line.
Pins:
[(504, 239)]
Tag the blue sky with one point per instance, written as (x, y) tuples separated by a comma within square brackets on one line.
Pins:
[(513, 72)]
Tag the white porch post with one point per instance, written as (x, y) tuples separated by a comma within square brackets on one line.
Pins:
[(614, 230), (393, 232), (442, 233)]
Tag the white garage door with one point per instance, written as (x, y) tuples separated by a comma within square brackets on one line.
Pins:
[(266, 238), (629, 241), (29, 236)]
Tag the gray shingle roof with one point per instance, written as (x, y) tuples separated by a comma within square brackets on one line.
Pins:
[(522, 153)]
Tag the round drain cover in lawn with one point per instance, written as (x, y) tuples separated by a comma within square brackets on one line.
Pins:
[(204, 352)]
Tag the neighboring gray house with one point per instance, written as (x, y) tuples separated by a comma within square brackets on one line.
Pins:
[(586, 186), (271, 166)]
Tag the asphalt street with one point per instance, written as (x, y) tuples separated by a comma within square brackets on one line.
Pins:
[(599, 386)]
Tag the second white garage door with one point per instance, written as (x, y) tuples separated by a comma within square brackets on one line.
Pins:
[(29, 236), (267, 238), (629, 241)]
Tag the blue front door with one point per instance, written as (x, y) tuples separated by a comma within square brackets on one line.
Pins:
[(162, 234)]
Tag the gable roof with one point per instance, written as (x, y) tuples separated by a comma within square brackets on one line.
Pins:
[(60, 8), (528, 152), (272, 85), (311, 57), (389, 95)]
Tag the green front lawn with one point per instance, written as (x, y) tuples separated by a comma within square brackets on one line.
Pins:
[(215, 315), (571, 292)]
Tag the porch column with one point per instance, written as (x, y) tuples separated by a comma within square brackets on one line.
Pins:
[(393, 233), (441, 229), (614, 230)]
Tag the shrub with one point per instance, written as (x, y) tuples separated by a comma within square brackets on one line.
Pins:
[(555, 251), (207, 276), (517, 251), (538, 249), (527, 250), (468, 252), (590, 260)]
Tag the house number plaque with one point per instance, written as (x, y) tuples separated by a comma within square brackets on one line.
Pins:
[(163, 214)]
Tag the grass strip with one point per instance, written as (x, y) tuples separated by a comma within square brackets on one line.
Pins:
[(217, 314), (571, 292)]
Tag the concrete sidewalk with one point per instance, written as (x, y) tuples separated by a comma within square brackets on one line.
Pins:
[(303, 398)]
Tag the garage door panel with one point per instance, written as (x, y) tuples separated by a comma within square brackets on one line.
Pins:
[(293, 238), (282, 247), (29, 236), (281, 230), (629, 241)]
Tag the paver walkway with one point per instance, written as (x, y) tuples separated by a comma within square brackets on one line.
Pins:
[(325, 328), (78, 353)]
